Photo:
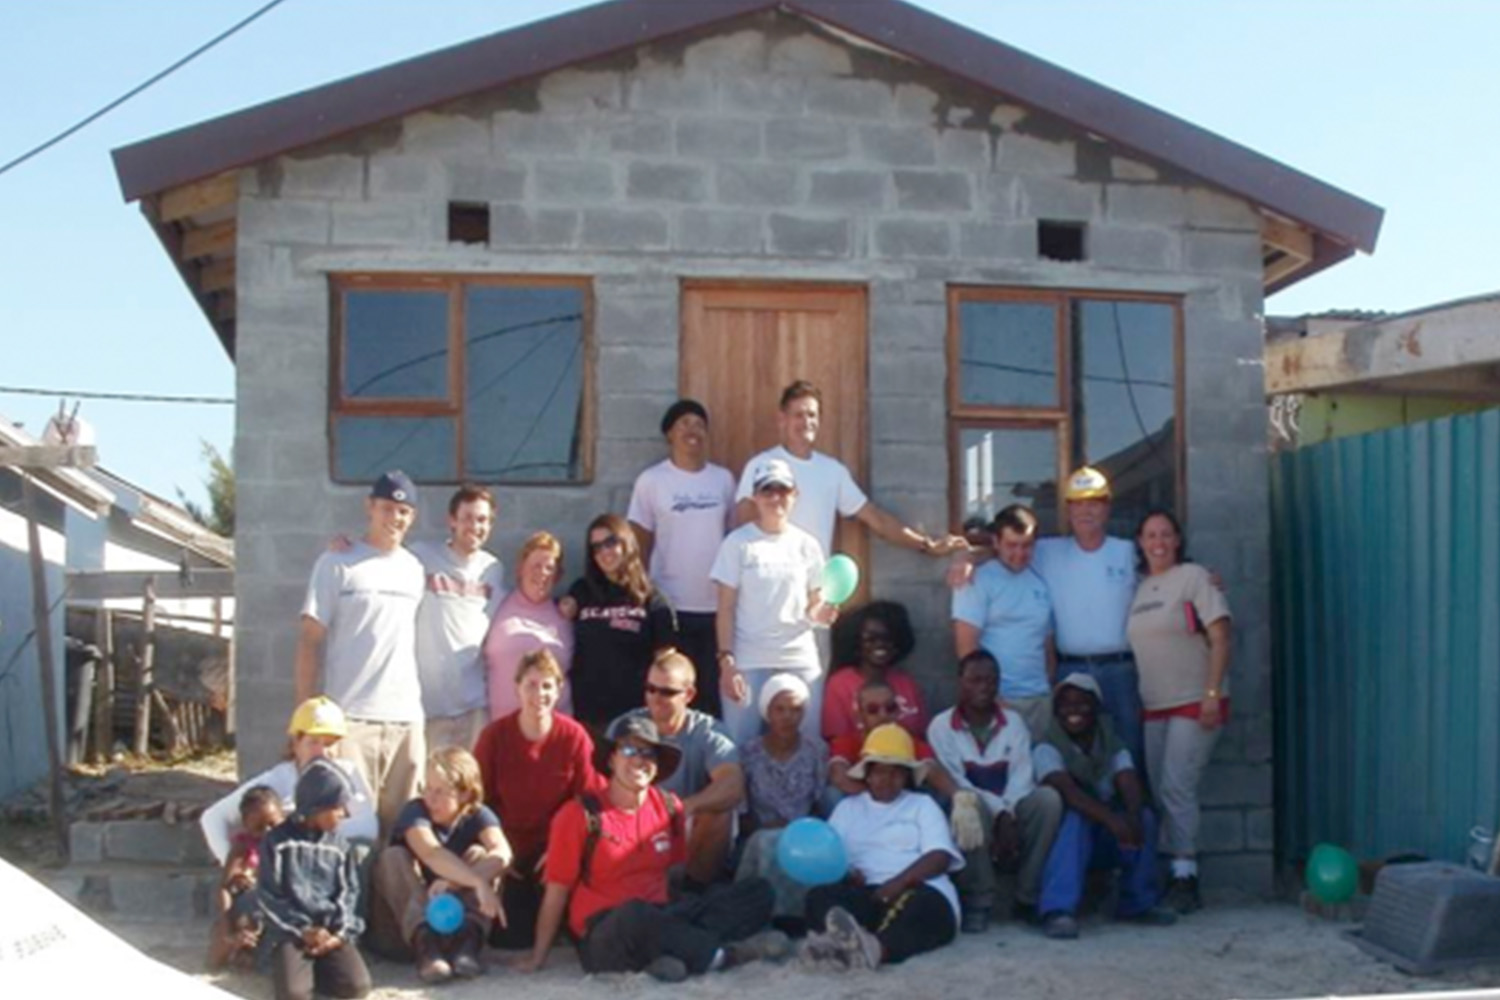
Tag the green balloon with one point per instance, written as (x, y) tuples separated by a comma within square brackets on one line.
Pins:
[(1332, 874), (840, 579)]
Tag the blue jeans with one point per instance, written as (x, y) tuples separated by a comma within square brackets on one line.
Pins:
[(1121, 684), (1082, 845)]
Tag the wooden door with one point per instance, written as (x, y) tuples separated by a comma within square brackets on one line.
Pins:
[(743, 343)]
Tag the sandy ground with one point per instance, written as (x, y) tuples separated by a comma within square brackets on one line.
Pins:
[(1251, 950)]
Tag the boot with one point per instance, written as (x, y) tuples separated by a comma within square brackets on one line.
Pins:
[(468, 960), (432, 967)]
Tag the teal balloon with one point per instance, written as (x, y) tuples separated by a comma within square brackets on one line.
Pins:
[(840, 579), (1332, 874), (810, 852), (445, 913)]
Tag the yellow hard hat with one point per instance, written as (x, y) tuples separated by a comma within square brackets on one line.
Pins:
[(1088, 483), (318, 716), (886, 744)]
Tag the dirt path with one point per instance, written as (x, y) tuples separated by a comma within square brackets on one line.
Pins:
[(1249, 951)]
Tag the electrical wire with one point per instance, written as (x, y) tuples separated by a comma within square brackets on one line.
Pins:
[(124, 397), (90, 119)]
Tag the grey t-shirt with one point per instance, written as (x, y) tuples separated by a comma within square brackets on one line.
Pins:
[(704, 746), (459, 599), (367, 599)]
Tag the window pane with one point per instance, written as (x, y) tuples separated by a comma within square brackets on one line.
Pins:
[(1125, 398), (523, 408), (395, 345), (1000, 466), (424, 448), (1007, 354)]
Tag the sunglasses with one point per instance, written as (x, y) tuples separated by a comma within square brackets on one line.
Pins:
[(607, 542), (884, 708), (630, 751), (664, 692)]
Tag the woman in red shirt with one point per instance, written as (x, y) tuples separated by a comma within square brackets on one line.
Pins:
[(870, 643), (532, 762)]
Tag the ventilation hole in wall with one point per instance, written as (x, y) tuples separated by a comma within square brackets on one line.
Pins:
[(468, 222), (1059, 240)]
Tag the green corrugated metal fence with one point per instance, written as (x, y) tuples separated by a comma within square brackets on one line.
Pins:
[(1387, 639)]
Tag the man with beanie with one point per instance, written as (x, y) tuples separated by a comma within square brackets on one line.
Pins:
[(308, 892), (359, 627), (680, 509)]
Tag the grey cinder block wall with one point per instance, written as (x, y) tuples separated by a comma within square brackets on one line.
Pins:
[(766, 151)]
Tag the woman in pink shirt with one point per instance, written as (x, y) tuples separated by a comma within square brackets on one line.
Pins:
[(870, 642), (526, 621)]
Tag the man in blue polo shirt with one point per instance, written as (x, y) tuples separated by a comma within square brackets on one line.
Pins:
[(1007, 611), (1092, 579)]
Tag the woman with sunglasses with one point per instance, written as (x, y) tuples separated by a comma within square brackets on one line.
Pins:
[(620, 622), (871, 642), (769, 572)]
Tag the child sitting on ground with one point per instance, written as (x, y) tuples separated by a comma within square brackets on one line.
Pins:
[(236, 928), (308, 891)]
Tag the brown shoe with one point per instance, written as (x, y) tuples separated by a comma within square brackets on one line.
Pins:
[(432, 967)]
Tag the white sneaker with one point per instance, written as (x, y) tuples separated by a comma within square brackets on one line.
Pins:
[(859, 948)]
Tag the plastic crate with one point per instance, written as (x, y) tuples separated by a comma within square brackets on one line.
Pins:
[(1431, 917)]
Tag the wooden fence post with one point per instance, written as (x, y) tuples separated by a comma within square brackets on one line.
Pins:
[(148, 664)]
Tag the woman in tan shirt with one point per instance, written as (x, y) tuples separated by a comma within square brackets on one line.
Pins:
[(1180, 633)]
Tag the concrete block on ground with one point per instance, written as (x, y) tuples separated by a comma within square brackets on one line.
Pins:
[(153, 842), (806, 139), (625, 228), (913, 238), (759, 184), (898, 145), (152, 897), (679, 182), (933, 191), (85, 842), (809, 236)]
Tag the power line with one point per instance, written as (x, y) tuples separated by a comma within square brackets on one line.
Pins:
[(140, 87), (124, 397)]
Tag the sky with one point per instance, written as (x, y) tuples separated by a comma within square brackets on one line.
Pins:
[(1394, 101)]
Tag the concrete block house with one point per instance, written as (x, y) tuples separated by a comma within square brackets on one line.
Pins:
[(501, 261)]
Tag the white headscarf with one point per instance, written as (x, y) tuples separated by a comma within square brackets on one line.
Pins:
[(780, 684)]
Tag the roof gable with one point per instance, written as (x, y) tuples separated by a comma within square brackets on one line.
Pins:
[(258, 133)]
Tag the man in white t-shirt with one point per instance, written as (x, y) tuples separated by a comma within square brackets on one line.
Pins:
[(681, 509), (464, 587), (825, 489), (1092, 579), (359, 632)]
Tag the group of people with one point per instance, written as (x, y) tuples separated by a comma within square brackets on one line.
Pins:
[(620, 762)]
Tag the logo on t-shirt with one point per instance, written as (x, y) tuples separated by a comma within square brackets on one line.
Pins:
[(682, 502), (662, 842)]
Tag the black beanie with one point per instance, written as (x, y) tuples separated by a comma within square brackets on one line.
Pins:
[(322, 786), (680, 409)]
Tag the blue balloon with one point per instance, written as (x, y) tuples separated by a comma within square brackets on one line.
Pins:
[(811, 853), (445, 913)]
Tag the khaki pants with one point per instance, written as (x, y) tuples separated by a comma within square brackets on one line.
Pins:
[(1177, 751), (456, 730), (1035, 712), (1039, 815), (401, 904), (391, 755)]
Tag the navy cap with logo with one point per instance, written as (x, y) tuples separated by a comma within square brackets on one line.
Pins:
[(395, 485)]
